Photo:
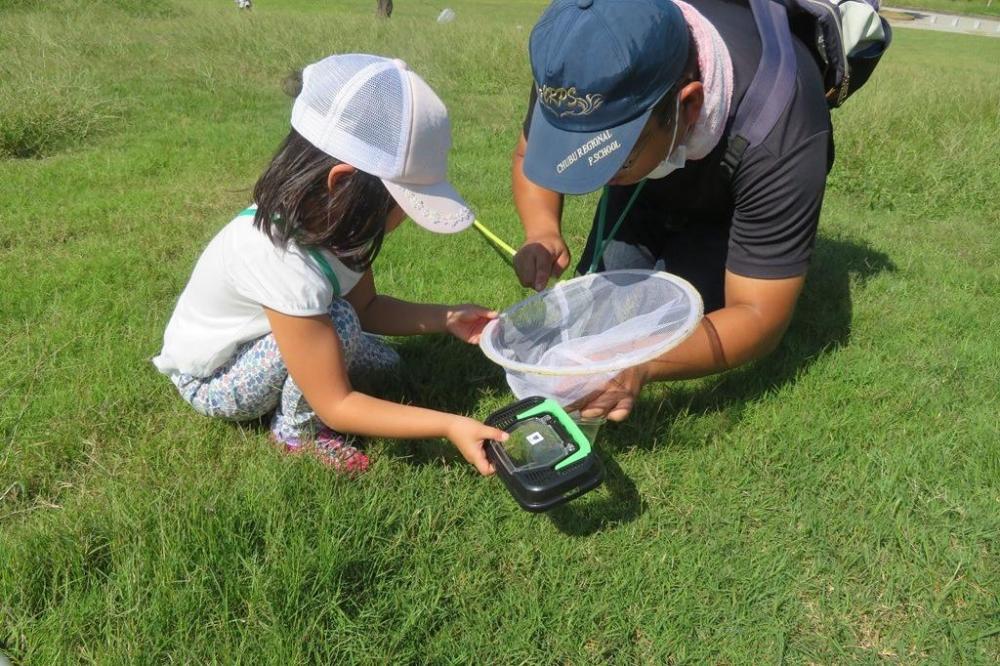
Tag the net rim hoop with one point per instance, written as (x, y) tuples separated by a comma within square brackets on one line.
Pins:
[(692, 321)]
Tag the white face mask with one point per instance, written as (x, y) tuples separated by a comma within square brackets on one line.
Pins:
[(676, 157)]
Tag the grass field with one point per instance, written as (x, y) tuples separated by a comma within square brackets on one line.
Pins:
[(838, 502), (989, 8)]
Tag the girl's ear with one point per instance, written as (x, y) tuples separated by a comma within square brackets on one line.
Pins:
[(336, 173)]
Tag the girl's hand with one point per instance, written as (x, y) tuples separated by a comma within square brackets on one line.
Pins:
[(466, 321), (467, 435)]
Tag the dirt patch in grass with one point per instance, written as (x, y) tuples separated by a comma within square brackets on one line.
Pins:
[(893, 15)]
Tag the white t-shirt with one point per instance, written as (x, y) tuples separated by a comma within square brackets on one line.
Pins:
[(221, 307)]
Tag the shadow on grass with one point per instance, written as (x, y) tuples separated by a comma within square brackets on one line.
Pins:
[(821, 325), (616, 502), (441, 373)]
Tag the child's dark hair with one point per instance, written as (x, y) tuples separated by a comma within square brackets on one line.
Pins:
[(295, 203)]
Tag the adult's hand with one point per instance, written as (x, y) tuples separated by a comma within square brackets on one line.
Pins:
[(544, 253), (540, 258), (616, 400)]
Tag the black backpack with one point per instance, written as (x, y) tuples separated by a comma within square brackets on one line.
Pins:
[(847, 38)]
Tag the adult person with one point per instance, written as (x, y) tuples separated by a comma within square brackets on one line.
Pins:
[(628, 91)]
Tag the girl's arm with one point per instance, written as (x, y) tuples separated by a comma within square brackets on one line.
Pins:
[(313, 355), (385, 315)]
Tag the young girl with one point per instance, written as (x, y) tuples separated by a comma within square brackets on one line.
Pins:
[(278, 311)]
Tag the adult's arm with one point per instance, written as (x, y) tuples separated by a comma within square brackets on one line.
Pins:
[(544, 253), (750, 326)]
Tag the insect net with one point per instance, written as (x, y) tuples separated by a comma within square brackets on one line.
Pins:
[(567, 342)]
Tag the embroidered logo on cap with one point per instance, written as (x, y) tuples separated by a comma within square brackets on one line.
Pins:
[(566, 102)]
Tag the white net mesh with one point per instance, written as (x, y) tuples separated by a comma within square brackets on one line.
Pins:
[(567, 342)]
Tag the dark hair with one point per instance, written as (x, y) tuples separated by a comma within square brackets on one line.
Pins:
[(295, 203), (664, 109)]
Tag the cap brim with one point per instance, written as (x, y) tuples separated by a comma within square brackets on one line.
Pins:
[(577, 162), (436, 207)]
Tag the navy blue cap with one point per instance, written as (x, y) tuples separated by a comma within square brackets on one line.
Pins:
[(599, 67)]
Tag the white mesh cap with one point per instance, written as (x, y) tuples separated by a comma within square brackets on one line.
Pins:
[(378, 116)]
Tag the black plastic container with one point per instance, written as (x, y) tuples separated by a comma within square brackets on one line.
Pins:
[(548, 460)]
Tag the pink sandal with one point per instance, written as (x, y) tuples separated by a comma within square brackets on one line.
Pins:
[(331, 449)]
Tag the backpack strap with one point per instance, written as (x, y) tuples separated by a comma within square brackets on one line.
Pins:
[(317, 256), (772, 86), (324, 266)]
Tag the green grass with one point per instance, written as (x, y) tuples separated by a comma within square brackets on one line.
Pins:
[(972, 7), (837, 502)]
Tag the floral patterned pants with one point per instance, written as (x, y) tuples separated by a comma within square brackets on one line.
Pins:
[(255, 381)]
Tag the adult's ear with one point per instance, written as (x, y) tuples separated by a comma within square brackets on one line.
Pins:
[(692, 98), (337, 173)]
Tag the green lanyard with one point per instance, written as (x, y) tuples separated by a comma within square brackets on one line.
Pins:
[(601, 243), (324, 265)]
